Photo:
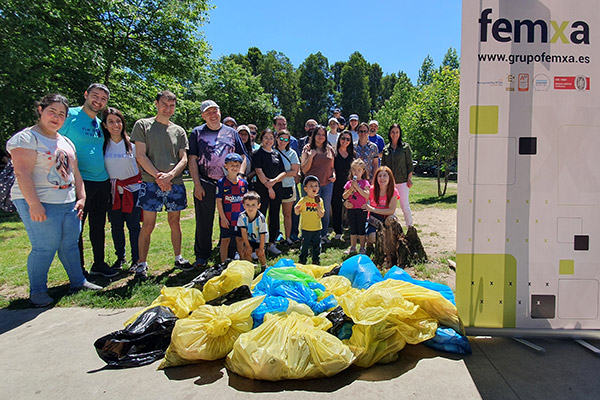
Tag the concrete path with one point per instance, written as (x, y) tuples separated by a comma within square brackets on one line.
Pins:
[(49, 354)]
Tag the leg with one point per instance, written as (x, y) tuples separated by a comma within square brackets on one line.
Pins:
[(145, 233), (99, 200), (295, 218), (205, 216), (287, 218), (117, 224), (45, 240), (326, 192), (304, 247), (133, 226), (173, 217), (403, 191), (337, 205), (274, 208), (316, 247), (224, 248), (68, 249), (262, 258)]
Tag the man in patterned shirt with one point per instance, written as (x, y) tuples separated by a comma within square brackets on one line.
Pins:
[(230, 193), (366, 150)]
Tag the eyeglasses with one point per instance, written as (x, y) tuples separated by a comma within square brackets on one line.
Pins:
[(253, 133), (363, 131), (284, 139), (347, 139)]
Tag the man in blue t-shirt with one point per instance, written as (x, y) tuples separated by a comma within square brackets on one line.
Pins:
[(210, 143), (375, 138), (82, 126)]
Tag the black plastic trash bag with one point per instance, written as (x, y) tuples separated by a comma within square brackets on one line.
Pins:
[(143, 342), (237, 294), (199, 281), (338, 318), (334, 271)]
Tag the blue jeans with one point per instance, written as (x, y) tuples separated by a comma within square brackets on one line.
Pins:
[(326, 193), (60, 232), (118, 219)]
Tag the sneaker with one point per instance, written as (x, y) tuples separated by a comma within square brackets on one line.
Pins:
[(40, 299), (325, 240), (237, 256), (363, 250), (338, 236), (289, 242), (273, 249), (183, 265), (350, 250), (132, 267), (103, 269), (200, 263), (254, 256), (141, 271), (119, 265), (86, 286)]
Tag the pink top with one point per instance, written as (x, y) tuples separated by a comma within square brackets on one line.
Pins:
[(382, 203), (356, 198)]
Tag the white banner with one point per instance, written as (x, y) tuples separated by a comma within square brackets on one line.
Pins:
[(528, 239)]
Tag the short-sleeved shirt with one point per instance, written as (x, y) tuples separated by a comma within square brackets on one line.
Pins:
[(232, 195), (322, 164), (378, 140), (355, 198), (367, 153), (271, 164), (309, 217), (332, 138), (211, 148), (86, 134), (254, 227), (53, 170), (382, 203), (289, 157), (120, 164), (163, 143)]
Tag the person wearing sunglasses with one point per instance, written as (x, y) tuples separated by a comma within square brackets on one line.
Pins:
[(83, 128), (291, 163), (366, 150), (344, 156)]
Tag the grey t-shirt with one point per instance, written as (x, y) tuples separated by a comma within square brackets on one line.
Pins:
[(162, 145)]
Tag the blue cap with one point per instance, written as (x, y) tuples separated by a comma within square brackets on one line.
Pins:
[(233, 157)]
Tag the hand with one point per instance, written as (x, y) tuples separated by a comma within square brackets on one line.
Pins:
[(224, 223), (409, 183), (355, 185), (332, 178), (317, 199), (163, 180), (367, 207), (271, 194), (79, 205), (269, 183), (312, 153), (199, 192), (37, 212)]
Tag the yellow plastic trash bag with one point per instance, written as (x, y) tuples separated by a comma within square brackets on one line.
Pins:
[(290, 346), (336, 285), (182, 301), (316, 271), (209, 333), (238, 273), (431, 301), (384, 321)]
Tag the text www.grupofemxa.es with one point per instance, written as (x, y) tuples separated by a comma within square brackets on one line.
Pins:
[(533, 58)]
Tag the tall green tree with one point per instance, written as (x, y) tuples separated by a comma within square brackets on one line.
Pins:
[(451, 59), (375, 75), (316, 87), (426, 72), (354, 83), (394, 109), (387, 86), (130, 45), (336, 74)]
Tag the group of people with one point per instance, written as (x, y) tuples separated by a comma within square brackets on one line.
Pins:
[(79, 163)]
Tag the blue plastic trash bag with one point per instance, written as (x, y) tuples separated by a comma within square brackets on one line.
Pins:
[(284, 262), (401, 275), (361, 271), (269, 304), (447, 339)]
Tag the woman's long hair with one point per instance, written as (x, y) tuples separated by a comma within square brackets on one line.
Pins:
[(390, 136), (389, 193), (124, 136), (313, 136)]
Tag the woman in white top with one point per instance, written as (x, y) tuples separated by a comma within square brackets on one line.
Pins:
[(49, 196), (125, 178)]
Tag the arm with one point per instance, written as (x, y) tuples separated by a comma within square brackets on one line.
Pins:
[(409, 166), (79, 191), (24, 163), (193, 167), (348, 192), (320, 210), (332, 177), (298, 207), (307, 159), (390, 210), (364, 192), (222, 218)]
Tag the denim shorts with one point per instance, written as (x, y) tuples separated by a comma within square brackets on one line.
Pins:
[(151, 198)]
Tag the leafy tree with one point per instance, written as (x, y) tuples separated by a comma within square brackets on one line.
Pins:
[(394, 109), (355, 87), (375, 75), (387, 87), (130, 45), (315, 87), (451, 59), (426, 72), (336, 73)]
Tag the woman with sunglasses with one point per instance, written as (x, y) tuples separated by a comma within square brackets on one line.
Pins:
[(291, 164), (317, 159), (343, 158)]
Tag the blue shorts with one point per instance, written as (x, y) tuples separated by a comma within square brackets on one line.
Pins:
[(372, 228), (151, 198)]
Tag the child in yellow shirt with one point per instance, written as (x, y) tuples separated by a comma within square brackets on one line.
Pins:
[(310, 208)]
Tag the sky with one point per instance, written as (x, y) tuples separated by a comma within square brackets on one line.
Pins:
[(396, 34)]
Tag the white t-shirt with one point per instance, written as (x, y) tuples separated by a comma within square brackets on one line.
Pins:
[(121, 165), (255, 227), (53, 170), (332, 138)]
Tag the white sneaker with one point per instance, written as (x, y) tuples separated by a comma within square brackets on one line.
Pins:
[(237, 256), (254, 256), (273, 249)]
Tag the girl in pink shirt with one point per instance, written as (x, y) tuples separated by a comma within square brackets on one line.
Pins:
[(356, 192), (385, 192)]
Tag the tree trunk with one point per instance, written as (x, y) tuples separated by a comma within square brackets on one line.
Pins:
[(394, 247), (439, 185)]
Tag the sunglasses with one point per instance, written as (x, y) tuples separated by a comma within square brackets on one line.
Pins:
[(363, 131), (283, 139), (347, 139)]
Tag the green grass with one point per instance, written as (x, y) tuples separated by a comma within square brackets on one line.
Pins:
[(124, 291)]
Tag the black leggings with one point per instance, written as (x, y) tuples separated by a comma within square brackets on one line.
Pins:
[(273, 206)]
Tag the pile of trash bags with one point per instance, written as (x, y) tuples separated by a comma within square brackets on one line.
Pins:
[(292, 321)]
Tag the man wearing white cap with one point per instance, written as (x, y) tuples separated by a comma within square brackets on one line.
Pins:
[(210, 143), (374, 137)]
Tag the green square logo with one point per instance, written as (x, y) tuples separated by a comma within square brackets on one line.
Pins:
[(566, 267), (483, 120)]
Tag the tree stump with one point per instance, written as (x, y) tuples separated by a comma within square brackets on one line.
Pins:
[(394, 247)]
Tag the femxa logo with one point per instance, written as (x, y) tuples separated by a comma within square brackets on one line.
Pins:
[(504, 30)]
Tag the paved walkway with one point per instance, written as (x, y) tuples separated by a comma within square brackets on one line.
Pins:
[(49, 354)]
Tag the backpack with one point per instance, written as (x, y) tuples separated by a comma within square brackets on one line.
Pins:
[(7, 178)]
